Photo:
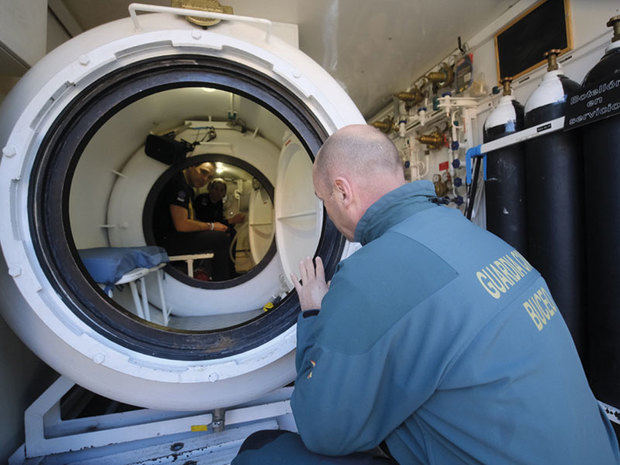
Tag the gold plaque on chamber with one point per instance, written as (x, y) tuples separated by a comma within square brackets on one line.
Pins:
[(203, 5)]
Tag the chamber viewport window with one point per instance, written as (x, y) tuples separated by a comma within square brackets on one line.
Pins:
[(172, 208)]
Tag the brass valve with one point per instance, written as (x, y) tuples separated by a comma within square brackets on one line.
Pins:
[(385, 126), (445, 77), (203, 5), (506, 85), (552, 59), (615, 23), (411, 98), (434, 140)]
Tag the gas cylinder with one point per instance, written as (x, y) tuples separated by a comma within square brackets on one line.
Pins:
[(554, 196), (601, 148), (505, 184)]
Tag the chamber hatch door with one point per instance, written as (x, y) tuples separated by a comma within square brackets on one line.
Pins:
[(298, 212)]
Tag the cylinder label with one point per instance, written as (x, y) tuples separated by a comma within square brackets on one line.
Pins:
[(592, 103)]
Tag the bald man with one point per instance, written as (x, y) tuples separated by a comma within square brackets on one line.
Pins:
[(436, 342)]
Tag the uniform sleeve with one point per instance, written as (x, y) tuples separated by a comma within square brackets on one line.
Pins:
[(178, 195), (362, 369)]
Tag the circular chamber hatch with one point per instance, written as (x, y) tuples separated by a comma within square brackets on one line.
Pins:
[(186, 340)]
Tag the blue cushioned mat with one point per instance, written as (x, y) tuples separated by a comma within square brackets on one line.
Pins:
[(107, 265)]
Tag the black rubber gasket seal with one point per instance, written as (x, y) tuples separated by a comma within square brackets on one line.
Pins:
[(149, 206), (49, 187)]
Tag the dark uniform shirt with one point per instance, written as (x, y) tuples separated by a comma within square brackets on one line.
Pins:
[(208, 211), (176, 192)]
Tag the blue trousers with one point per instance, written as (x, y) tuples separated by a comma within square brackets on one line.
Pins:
[(276, 447)]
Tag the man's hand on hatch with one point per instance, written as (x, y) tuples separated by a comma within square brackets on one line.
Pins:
[(312, 287)]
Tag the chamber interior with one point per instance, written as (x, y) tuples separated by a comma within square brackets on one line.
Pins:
[(117, 199)]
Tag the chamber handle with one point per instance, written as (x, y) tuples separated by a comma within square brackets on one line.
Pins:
[(133, 7)]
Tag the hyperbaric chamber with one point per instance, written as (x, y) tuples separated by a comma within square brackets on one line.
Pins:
[(74, 175)]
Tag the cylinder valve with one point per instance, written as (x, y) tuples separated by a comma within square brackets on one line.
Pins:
[(552, 59), (506, 85), (615, 23)]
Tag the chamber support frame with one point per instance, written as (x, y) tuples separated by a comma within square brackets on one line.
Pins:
[(136, 431)]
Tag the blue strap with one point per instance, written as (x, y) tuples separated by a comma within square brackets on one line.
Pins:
[(474, 152)]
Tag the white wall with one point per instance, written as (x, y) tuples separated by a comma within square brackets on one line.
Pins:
[(22, 34), (56, 33)]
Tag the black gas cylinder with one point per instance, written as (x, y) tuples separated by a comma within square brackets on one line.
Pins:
[(505, 184), (601, 148), (554, 190)]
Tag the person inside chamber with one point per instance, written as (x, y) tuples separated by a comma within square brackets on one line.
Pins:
[(210, 206), (181, 230)]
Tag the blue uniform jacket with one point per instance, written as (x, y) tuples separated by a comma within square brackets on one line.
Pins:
[(439, 338)]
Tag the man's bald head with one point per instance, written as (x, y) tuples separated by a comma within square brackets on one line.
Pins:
[(356, 166), (362, 152)]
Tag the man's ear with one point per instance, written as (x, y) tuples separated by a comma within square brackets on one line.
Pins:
[(343, 190)]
